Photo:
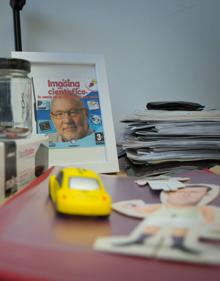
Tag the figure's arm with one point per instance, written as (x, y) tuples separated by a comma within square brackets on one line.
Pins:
[(209, 214), (135, 208)]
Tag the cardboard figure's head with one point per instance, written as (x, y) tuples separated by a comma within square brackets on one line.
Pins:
[(191, 195)]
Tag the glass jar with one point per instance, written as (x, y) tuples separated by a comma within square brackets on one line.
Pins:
[(15, 98)]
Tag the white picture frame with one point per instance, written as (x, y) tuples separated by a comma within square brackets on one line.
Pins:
[(44, 67)]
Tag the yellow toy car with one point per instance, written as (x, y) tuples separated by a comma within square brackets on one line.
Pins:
[(79, 191)]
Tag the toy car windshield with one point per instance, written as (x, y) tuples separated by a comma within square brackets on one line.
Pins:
[(83, 183)]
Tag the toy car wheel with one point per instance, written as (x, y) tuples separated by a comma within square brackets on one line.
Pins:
[(49, 193), (104, 217)]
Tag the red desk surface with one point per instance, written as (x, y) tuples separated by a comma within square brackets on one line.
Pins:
[(38, 244)]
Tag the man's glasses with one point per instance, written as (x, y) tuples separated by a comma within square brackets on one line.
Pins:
[(71, 113)]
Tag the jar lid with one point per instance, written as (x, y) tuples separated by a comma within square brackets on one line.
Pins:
[(12, 63)]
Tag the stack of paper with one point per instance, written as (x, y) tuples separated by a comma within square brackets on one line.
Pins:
[(156, 137)]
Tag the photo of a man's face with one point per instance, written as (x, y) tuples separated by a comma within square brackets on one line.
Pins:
[(70, 118)]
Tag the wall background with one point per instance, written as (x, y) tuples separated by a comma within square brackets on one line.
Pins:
[(154, 49)]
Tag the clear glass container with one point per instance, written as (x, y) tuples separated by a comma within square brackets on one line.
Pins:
[(15, 98)]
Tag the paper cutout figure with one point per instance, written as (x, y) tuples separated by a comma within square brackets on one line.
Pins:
[(171, 230), (167, 241)]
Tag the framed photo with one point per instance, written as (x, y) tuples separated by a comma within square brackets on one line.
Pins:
[(72, 107)]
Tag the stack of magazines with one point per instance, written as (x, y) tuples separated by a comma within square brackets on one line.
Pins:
[(160, 141)]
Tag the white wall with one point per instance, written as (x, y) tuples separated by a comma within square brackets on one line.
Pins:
[(154, 49)]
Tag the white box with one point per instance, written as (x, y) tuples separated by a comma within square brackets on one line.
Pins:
[(21, 160)]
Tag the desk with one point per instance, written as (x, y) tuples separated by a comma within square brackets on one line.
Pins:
[(36, 244)]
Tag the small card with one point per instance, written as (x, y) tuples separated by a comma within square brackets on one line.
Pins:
[(167, 185), (164, 178)]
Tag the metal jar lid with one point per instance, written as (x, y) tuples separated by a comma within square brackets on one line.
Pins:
[(17, 64)]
